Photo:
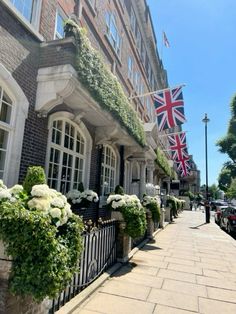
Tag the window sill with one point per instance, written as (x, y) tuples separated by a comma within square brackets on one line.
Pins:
[(22, 20)]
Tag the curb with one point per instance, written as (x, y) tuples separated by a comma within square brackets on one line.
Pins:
[(75, 302)]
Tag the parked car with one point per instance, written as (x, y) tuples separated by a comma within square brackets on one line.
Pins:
[(228, 220), (218, 213), (216, 203)]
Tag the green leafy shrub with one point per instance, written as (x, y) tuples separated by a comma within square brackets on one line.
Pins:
[(135, 219), (103, 85), (153, 205), (42, 236), (35, 175), (119, 190), (133, 213), (163, 163)]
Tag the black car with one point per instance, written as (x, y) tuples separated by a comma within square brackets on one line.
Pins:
[(228, 220)]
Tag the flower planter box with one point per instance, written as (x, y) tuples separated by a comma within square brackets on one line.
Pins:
[(117, 215)]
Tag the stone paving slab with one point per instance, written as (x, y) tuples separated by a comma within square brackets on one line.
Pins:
[(161, 309), (107, 304), (189, 269)]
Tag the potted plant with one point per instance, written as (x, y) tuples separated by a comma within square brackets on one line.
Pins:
[(131, 211), (153, 205), (82, 198)]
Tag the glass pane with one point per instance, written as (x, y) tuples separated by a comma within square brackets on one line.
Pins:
[(5, 114), (60, 26), (6, 99), (66, 141), (2, 160), (57, 156), (64, 162), (3, 139)]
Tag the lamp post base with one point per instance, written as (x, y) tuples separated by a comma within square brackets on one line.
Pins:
[(207, 212)]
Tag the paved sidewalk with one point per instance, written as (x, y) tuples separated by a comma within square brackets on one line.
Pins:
[(191, 268)]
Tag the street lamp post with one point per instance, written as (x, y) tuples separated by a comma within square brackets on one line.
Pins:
[(207, 206)]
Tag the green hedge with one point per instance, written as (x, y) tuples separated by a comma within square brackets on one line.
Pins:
[(163, 163), (103, 85)]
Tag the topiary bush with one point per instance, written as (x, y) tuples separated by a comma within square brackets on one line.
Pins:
[(119, 190), (35, 175)]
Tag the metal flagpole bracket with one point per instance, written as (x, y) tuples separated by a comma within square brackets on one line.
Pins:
[(156, 91)]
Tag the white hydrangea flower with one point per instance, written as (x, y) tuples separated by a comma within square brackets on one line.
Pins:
[(64, 220), (58, 202), (41, 190), (2, 185), (55, 212), (4, 194), (40, 203), (16, 189), (58, 223), (73, 194)]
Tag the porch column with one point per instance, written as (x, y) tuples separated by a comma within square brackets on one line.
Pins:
[(150, 170), (142, 178)]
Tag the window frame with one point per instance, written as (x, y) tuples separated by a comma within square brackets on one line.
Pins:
[(65, 150), (35, 14), (110, 168), (114, 39), (62, 14)]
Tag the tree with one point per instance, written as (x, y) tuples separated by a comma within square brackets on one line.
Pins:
[(231, 193), (228, 172), (227, 144), (213, 191)]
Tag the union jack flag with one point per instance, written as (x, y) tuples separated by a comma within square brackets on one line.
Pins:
[(184, 167), (178, 145), (169, 107)]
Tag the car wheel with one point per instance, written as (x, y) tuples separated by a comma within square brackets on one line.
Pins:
[(228, 228)]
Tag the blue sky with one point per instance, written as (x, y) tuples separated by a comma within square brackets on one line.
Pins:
[(202, 55)]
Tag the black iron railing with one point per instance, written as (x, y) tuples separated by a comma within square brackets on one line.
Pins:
[(99, 254)]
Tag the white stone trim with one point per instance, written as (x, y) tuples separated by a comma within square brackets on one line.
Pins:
[(54, 85), (17, 125)]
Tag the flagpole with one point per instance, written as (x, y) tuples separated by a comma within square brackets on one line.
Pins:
[(162, 43), (171, 133), (158, 90)]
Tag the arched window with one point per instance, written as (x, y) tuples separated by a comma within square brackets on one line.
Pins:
[(108, 172), (67, 152), (5, 128)]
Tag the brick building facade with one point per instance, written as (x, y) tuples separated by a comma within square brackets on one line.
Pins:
[(49, 118)]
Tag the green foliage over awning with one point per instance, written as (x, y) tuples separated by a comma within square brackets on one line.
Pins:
[(103, 86), (163, 163)]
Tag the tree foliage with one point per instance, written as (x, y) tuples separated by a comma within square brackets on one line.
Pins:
[(231, 193), (227, 144), (228, 172)]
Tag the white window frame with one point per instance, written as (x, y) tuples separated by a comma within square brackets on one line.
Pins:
[(36, 12), (66, 118), (114, 38), (60, 13), (16, 126), (108, 188)]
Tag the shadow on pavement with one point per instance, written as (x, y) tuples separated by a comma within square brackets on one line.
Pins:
[(197, 227), (148, 247)]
